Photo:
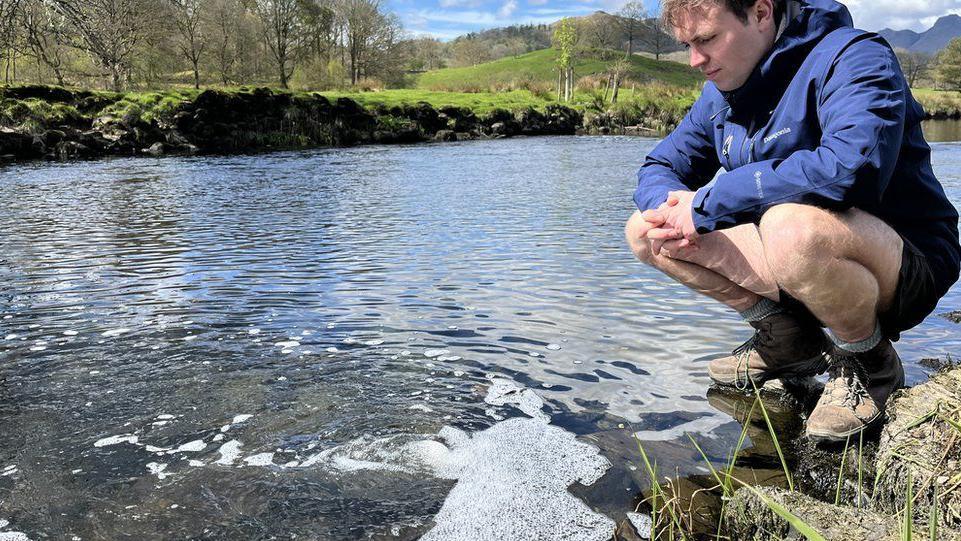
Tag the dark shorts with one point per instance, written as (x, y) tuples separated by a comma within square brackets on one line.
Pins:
[(916, 296)]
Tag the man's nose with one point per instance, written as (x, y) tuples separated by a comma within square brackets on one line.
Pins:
[(697, 58)]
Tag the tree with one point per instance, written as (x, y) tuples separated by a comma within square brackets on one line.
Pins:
[(565, 41), (658, 42), (913, 64), (370, 37), (43, 33), (600, 31), (193, 35), (948, 69), (631, 20), (109, 31), (283, 33), (469, 52)]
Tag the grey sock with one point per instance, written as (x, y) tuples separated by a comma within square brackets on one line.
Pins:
[(765, 307), (862, 345)]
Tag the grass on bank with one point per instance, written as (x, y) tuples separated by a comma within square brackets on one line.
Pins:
[(939, 103), (654, 105), (666, 510), (537, 71)]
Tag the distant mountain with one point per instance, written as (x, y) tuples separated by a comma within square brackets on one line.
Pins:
[(930, 41)]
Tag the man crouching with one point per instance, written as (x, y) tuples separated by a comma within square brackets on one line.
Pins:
[(826, 212)]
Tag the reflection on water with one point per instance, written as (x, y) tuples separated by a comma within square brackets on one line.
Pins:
[(246, 337), (942, 131)]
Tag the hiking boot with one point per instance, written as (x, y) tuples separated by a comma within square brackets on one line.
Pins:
[(783, 346), (856, 393)]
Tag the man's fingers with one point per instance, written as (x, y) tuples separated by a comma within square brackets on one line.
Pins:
[(653, 216), (660, 233), (656, 246)]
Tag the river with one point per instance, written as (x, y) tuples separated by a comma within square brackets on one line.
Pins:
[(363, 343)]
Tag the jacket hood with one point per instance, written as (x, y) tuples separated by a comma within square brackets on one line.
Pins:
[(803, 25)]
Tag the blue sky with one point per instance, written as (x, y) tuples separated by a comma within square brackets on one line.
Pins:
[(447, 19)]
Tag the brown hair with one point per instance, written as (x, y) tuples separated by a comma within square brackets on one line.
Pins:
[(671, 8)]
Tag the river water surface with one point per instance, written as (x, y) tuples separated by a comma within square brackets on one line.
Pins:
[(364, 343)]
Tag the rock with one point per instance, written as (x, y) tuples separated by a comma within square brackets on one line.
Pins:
[(445, 135), (918, 428), (953, 317), (70, 150), (53, 137), (460, 119), (156, 149), (94, 140), (42, 92), (748, 517), (21, 145)]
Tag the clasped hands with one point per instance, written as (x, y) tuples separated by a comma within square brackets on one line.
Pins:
[(672, 220)]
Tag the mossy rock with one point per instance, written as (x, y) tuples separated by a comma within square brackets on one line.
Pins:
[(749, 517), (922, 435)]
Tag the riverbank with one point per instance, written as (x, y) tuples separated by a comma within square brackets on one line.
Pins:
[(907, 478), (44, 122)]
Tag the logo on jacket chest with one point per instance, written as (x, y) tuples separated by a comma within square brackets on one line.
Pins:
[(776, 134)]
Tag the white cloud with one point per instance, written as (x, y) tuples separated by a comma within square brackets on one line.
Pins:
[(508, 9), (916, 15), (460, 3)]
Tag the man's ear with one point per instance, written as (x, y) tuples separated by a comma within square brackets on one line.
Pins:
[(763, 12)]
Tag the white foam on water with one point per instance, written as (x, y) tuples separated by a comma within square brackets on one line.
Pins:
[(373, 342), (553, 347), (287, 344), (191, 447), (4, 523), (229, 453), (114, 332), (512, 478), (156, 450), (165, 417), (504, 392), (195, 463), (262, 459), (641, 523), (243, 417), (10, 337), (13, 536), (115, 440), (70, 333), (157, 468), (430, 353), (331, 350)]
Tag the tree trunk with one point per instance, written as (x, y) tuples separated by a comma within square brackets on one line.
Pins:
[(560, 83), (617, 86), (196, 76), (116, 79), (608, 84)]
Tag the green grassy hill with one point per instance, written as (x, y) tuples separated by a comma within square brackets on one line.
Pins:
[(537, 70)]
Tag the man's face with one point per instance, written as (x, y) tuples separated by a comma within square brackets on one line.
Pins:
[(723, 47)]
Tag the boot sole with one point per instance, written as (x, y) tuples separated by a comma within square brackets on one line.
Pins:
[(836, 438), (810, 368)]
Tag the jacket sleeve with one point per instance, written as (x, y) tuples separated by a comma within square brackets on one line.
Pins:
[(684, 160), (861, 111)]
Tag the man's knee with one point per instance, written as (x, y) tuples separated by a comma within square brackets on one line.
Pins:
[(795, 238), (635, 232)]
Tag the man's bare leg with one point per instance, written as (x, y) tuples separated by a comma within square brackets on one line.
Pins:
[(723, 267), (843, 266)]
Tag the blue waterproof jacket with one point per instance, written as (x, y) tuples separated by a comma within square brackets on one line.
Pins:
[(825, 119)]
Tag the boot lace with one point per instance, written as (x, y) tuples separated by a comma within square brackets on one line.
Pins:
[(845, 371), (742, 353)]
